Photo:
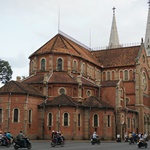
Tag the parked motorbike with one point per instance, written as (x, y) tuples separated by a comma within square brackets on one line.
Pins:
[(126, 139), (20, 144), (118, 139), (142, 143), (94, 141), (59, 142)]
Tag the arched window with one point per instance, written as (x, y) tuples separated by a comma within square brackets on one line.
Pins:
[(128, 122), (83, 68), (126, 75), (43, 64), (66, 119), (59, 64), (95, 120), (74, 66), (108, 75), (88, 93), (50, 119), (16, 115), (1, 114), (30, 116)]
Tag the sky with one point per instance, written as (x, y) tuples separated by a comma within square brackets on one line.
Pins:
[(26, 25)]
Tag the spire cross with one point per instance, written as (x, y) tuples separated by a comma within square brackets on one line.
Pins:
[(115, 9)]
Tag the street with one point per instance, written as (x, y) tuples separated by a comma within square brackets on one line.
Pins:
[(80, 145)]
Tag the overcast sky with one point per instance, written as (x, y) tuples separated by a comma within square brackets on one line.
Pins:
[(25, 25)]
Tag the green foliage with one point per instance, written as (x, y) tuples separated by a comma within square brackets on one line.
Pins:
[(5, 71)]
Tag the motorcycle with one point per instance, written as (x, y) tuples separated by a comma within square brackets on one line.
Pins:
[(118, 139), (94, 141), (20, 144), (59, 142), (142, 143), (7, 143), (131, 141), (126, 139)]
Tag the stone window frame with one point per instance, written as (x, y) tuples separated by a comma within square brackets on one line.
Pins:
[(74, 66), (94, 124), (68, 119), (62, 88), (18, 116), (126, 75), (60, 67), (48, 119), (108, 75), (88, 93), (43, 64)]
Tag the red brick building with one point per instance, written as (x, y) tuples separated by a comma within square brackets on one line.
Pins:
[(78, 91)]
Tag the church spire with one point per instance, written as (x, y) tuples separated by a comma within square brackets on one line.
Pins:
[(114, 40), (147, 35)]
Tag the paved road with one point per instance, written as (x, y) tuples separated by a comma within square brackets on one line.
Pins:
[(80, 145)]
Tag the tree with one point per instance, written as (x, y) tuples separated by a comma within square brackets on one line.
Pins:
[(5, 71)]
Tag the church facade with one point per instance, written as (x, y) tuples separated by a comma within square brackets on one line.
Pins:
[(76, 91)]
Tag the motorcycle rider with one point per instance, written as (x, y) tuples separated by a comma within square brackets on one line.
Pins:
[(94, 136), (20, 137), (9, 136)]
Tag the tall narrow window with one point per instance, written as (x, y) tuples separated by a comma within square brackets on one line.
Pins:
[(126, 75), (0, 114), (108, 121), (30, 116), (108, 75), (128, 119), (65, 119), (50, 119), (32, 66), (79, 117), (43, 64), (95, 120), (59, 64), (16, 115), (74, 66)]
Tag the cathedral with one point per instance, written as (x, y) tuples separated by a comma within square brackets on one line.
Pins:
[(76, 91)]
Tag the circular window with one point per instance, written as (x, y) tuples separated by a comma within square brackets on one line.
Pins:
[(62, 91)]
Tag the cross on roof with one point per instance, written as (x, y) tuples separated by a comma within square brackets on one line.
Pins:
[(115, 8)]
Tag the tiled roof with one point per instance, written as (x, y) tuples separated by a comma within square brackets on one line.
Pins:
[(109, 83), (95, 103), (62, 77), (124, 56), (19, 88), (37, 78), (62, 100), (63, 44), (88, 82)]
